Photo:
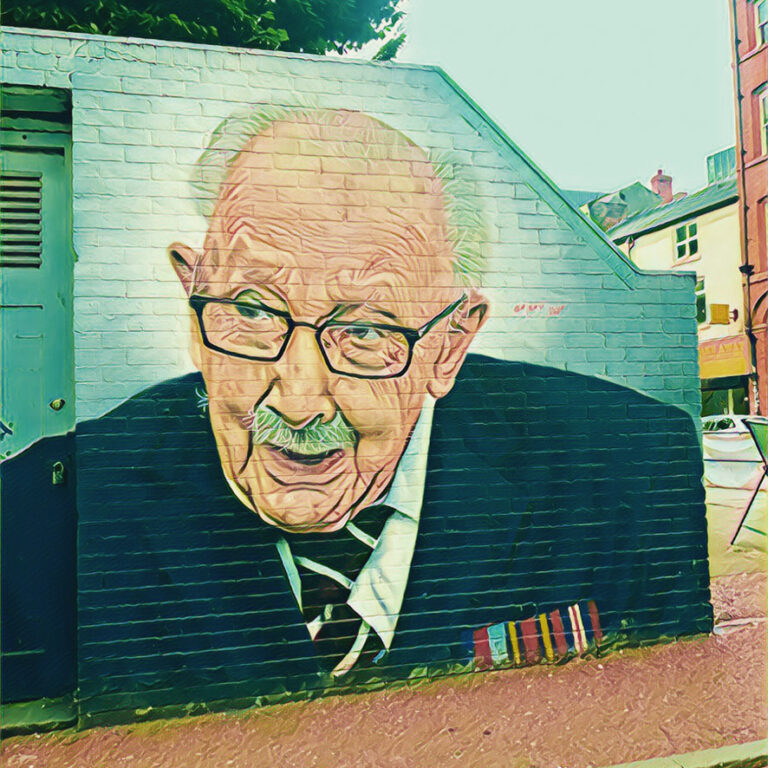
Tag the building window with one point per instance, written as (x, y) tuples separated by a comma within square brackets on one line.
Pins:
[(686, 240), (701, 302), (761, 21), (721, 165), (725, 395), (763, 114)]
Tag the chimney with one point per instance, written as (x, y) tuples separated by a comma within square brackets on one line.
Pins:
[(662, 185)]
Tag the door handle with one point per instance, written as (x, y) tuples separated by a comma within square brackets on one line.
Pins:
[(58, 473), (57, 404)]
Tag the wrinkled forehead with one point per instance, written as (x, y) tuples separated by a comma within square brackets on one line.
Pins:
[(335, 141), (332, 184)]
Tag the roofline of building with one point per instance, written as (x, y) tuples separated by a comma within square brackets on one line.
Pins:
[(608, 251), (126, 40), (670, 222), (550, 193)]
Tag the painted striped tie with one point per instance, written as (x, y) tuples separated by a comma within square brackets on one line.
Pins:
[(328, 564)]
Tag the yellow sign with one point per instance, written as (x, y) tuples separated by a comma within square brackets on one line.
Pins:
[(728, 356), (719, 314)]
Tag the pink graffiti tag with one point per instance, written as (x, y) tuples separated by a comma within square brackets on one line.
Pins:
[(532, 309)]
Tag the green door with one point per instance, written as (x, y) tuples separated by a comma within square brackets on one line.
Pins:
[(37, 387), (37, 491)]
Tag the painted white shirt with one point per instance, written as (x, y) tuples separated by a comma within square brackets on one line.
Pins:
[(377, 594)]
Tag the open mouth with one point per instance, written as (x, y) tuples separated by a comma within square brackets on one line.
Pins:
[(291, 467), (307, 459)]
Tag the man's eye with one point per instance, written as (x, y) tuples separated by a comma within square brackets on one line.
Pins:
[(252, 313), (363, 333)]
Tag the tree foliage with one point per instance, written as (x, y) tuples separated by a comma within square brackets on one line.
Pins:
[(390, 48), (311, 26)]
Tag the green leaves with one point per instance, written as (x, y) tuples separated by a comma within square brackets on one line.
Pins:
[(389, 49), (311, 26)]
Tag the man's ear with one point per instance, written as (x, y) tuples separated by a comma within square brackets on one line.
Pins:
[(184, 261), (465, 322)]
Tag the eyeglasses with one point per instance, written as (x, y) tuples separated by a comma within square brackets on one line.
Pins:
[(351, 348)]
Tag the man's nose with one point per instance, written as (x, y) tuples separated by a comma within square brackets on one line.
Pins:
[(300, 390)]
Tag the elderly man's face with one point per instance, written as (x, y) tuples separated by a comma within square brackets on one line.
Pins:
[(307, 225)]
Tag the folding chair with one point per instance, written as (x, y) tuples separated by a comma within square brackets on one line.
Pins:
[(758, 428)]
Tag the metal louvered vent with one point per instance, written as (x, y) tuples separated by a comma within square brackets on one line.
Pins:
[(21, 230)]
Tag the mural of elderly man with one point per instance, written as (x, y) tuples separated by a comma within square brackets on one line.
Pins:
[(333, 307), (342, 487)]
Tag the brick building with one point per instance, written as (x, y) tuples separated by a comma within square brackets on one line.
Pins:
[(136, 582), (700, 232), (749, 26)]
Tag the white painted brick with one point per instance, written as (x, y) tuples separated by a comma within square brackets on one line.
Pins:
[(131, 52), (25, 76), (116, 67), (55, 79), (130, 136), (150, 154), (175, 106), (187, 74), (42, 44), (95, 82), (85, 133), (164, 54)]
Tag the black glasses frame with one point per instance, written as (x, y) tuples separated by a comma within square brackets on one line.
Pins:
[(411, 335)]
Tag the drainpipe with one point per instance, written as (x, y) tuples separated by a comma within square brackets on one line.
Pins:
[(746, 268)]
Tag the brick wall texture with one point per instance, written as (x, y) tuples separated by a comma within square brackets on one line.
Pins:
[(562, 504), (752, 176)]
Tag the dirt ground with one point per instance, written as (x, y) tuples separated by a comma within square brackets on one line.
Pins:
[(632, 705)]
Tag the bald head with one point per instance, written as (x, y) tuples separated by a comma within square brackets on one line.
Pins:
[(328, 155), (334, 182)]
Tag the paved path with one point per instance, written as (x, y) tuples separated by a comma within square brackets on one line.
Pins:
[(633, 705)]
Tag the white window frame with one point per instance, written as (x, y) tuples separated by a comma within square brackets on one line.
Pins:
[(689, 241), (700, 293), (762, 111), (761, 30)]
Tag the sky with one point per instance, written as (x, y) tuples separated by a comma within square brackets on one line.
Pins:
[(598, 93)]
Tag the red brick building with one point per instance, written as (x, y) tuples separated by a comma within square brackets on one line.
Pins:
[(749, 26)]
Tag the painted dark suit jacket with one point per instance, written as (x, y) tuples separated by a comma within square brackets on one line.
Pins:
[(543, 488)]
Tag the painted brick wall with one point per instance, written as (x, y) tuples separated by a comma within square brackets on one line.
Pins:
[(140, 115), (602, 354)]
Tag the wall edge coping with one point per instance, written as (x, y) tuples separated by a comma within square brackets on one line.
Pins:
[(158, 42)]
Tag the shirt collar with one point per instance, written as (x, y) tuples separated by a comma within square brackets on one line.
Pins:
[(407, 489), (377, 594)]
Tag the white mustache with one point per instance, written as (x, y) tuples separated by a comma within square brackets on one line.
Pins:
[(269, 428)]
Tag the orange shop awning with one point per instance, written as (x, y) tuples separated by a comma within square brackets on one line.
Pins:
[(729, 356)]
